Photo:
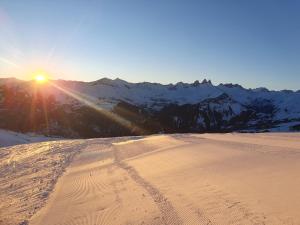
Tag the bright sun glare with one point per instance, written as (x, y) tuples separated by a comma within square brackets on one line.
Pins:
[(40, 78)]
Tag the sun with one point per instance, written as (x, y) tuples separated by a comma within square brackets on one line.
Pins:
[(40, 78)]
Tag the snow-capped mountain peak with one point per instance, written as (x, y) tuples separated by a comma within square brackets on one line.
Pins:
[(218, 107)]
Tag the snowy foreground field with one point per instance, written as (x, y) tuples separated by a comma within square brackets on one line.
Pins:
[(163, 179)]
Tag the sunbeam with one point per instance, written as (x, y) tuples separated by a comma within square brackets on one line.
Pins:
[(89, 101)]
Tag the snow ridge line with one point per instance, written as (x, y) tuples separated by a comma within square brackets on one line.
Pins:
[(169, 214)]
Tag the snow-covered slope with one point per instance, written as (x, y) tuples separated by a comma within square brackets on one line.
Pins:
[(157, 179), (9, 138)]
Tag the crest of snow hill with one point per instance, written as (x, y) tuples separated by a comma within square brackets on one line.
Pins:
[(106, 107)]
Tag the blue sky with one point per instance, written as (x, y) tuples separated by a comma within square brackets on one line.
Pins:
[(254, 43)]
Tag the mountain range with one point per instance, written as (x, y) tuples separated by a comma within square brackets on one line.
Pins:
[(107, 107)]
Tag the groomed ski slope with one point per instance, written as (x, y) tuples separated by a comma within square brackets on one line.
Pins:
[(169, 179)]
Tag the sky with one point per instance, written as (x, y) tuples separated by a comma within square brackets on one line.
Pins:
[(254, 43)]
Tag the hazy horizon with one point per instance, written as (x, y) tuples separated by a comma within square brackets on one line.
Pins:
[(153, 82), (254, 44)]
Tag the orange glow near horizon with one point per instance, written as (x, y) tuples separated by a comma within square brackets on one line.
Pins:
[(40, 77)]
